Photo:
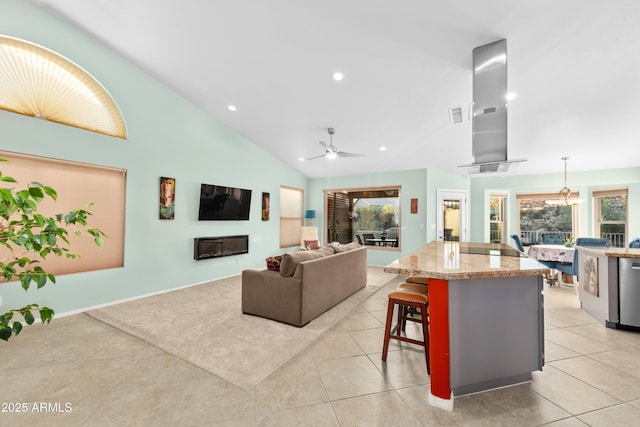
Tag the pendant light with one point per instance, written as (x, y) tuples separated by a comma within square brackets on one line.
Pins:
[(564, 196)]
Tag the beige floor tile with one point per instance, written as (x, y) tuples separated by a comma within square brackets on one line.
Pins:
[(626, 359), (381, 409), (296, 384), (404, 368), (317, 415), (553, 351), (614, 416), (375, 303), (563, 318), (568, 422), (568, 392), (615, 338), (372, 340), (516, 405), (578, 343), (334, 346), (357, 322), (353, 376), (606, 378), (111, 378)]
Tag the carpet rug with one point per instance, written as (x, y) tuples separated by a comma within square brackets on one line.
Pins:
[(205, 326)]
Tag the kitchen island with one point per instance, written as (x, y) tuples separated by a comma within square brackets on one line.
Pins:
[(485, 313), (609, 285)]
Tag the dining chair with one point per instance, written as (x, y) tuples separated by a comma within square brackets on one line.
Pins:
[(516, 239), (551, 238), (366, 237), (571, 268)]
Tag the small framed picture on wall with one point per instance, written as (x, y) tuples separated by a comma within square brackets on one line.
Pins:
[(167, 197), (265, 206), (414, 206)]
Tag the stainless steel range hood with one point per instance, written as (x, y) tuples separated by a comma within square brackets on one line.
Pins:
[(489, 119)]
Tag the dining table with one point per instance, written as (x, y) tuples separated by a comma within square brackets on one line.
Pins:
[(384, 242), (554, 253)]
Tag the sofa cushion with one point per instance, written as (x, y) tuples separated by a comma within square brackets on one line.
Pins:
[(291, 260), (348, 247), (273, 263)]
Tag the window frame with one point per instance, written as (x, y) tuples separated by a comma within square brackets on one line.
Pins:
[(543, 196), (597, 196), (291, 215), (351, 190)]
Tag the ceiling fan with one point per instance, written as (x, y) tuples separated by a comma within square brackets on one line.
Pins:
[(331, 151)]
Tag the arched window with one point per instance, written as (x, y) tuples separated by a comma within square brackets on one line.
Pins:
[(38, 82)]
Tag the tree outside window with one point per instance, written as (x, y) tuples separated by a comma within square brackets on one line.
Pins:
[(611, 215), (535, 216)]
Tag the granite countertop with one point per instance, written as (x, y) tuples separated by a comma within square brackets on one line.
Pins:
[(453, 260), (613, 252)]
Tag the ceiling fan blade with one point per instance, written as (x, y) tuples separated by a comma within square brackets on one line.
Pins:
[(325, 146), (343, 154), (316, 157)]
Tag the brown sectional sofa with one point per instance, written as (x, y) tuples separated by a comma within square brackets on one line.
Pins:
[(308, 284)]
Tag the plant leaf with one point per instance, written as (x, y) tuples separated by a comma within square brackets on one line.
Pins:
[(28, 317), (5, 333)]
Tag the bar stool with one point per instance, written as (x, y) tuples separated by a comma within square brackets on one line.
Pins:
[(404, 297), (419, 286)]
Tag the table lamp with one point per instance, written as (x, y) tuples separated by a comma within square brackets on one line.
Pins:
[(310, 216)]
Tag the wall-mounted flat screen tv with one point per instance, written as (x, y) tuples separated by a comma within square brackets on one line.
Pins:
[(218, 203)]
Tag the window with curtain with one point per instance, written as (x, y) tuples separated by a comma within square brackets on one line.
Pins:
[(77, 184), (291, 216), (535, 217), (610, 219), (37, 82)]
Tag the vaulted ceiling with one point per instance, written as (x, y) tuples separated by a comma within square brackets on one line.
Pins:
[(574, 65)]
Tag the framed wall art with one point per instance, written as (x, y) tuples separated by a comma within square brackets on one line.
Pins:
[(167, 197), (265, 206), (591, 282)]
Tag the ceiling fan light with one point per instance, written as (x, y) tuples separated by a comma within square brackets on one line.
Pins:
[(331, 155)]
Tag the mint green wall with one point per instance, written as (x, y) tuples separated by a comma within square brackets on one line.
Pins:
[(582, 182), (168, 136), (415, 230)]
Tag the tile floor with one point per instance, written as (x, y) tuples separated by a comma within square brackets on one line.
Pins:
[(95, 375)]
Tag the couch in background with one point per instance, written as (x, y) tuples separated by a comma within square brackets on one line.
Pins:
[(308, 283)]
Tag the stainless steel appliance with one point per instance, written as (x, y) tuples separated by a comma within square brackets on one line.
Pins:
[(629, 289)]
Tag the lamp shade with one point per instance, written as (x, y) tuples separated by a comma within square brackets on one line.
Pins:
[(310, 214)]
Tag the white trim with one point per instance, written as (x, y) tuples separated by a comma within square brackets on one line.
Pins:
[(438, 402)]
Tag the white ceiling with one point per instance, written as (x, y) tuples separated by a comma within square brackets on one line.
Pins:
[(574, 64)]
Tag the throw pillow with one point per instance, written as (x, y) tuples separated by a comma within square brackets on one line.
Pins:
[(348, 247), (311, 244), (273, 263)]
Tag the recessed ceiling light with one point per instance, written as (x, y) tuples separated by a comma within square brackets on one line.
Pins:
[(231, 107), (337, 76), (511, 96), (301, 159), (383, 148)]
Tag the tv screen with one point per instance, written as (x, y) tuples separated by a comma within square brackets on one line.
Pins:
[(223, 203)]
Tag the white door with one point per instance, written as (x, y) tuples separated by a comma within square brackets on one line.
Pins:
[(452, 215)]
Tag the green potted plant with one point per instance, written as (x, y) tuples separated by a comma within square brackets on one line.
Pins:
[(569, 241), (30, 237), (333, 230)]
